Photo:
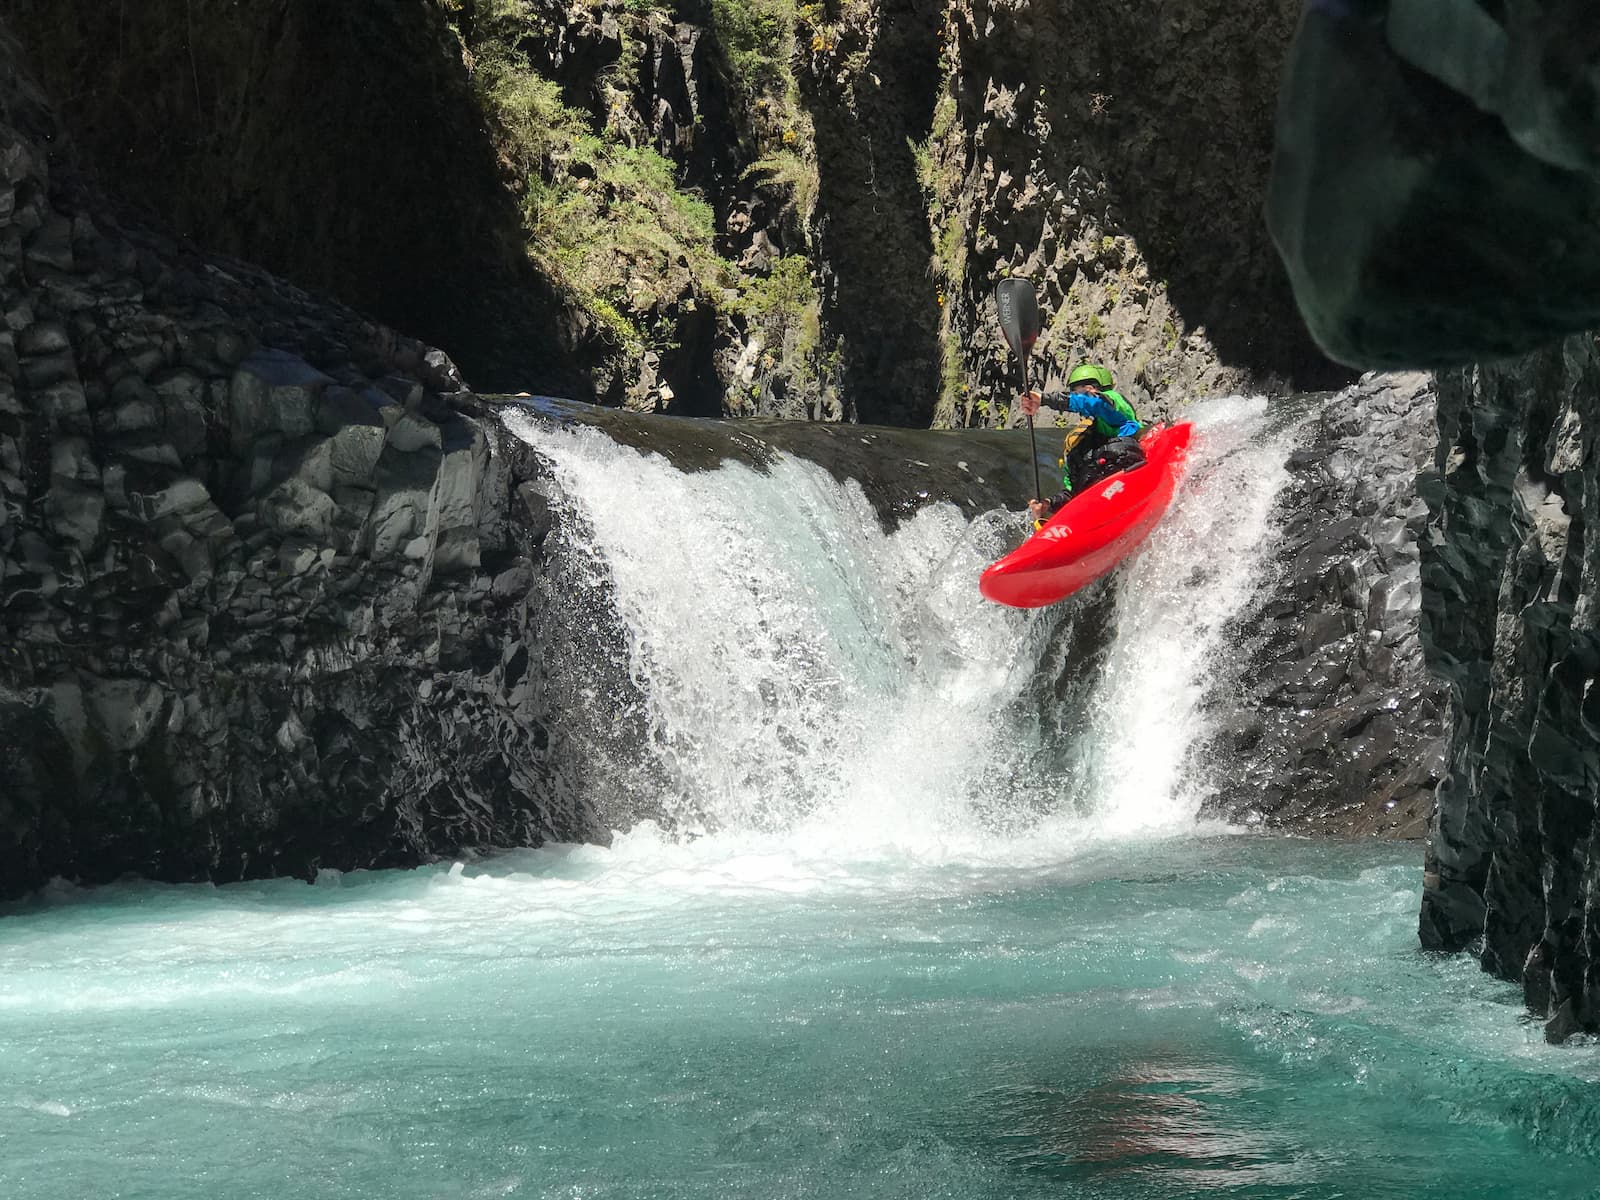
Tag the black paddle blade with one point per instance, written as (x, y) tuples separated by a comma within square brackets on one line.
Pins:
[(1019, 314)]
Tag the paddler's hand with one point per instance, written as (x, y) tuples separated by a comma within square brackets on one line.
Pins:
[(1036, 509), (1028, 403)]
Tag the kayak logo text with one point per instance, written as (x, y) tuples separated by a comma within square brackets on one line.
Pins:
[(1112, 490)]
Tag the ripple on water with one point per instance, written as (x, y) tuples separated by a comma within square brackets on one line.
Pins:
[(1167, 1018)]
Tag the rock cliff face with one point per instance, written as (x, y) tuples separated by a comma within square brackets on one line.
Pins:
[(341, 147), (1116, 157), (1327, 718), (255, 571), (272, 588), (870, 169), (1508, 619), (1459, 225), (273, 593), (413, 158)]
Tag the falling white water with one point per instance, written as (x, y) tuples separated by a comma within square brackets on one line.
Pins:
[(810, 678), (1174, 605)]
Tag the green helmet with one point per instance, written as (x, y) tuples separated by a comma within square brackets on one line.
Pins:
[(1090, 373)]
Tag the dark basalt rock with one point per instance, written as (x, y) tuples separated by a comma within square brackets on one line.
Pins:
[(1326, 720), (1460, 225), (1508, 568), (251, 549)]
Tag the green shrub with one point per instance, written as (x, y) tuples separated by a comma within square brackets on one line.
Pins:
[(758, 36), (944, 117), (953, 376), (789, 170), (784, 303)]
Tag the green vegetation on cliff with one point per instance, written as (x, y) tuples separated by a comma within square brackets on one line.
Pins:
[(612, 221), (783, 306), (606, 221), (940, 172), (758, 38)]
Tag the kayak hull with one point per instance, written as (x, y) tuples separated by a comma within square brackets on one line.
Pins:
[(1095, 530)]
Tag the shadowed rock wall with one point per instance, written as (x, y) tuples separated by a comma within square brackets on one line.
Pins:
[(1115, 155), (262, 588), (1509, 568), (339, 146), (871, 96)]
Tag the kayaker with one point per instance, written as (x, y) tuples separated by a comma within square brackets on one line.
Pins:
[(1107, 443)]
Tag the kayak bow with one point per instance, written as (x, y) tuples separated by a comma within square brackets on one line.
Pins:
[(1094, 530)]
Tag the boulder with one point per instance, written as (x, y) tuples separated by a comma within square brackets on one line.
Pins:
[(1329, 673), (273, 392), (404, 506), (158, 494)]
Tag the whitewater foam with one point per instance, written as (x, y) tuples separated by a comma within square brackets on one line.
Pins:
[(813, 682), (1175, 601)]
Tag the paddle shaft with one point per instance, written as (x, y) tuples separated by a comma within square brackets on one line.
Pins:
[(1033, 442)]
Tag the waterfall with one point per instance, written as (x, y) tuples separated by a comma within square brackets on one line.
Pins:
[(1176, 603), (799, 673)]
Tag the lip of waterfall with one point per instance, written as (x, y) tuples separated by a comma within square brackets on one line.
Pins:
[(897, 470), (801, 674)]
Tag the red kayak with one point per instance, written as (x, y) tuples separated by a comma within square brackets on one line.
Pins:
[(1093, 531)]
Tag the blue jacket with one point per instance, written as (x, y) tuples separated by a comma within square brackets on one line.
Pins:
[(1111, 420)]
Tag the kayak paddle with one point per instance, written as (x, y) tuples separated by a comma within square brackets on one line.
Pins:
[(1019, 322)]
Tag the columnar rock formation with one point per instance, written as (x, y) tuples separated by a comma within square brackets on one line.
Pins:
[(1460, 225), (1509, 568), (250, 558)]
